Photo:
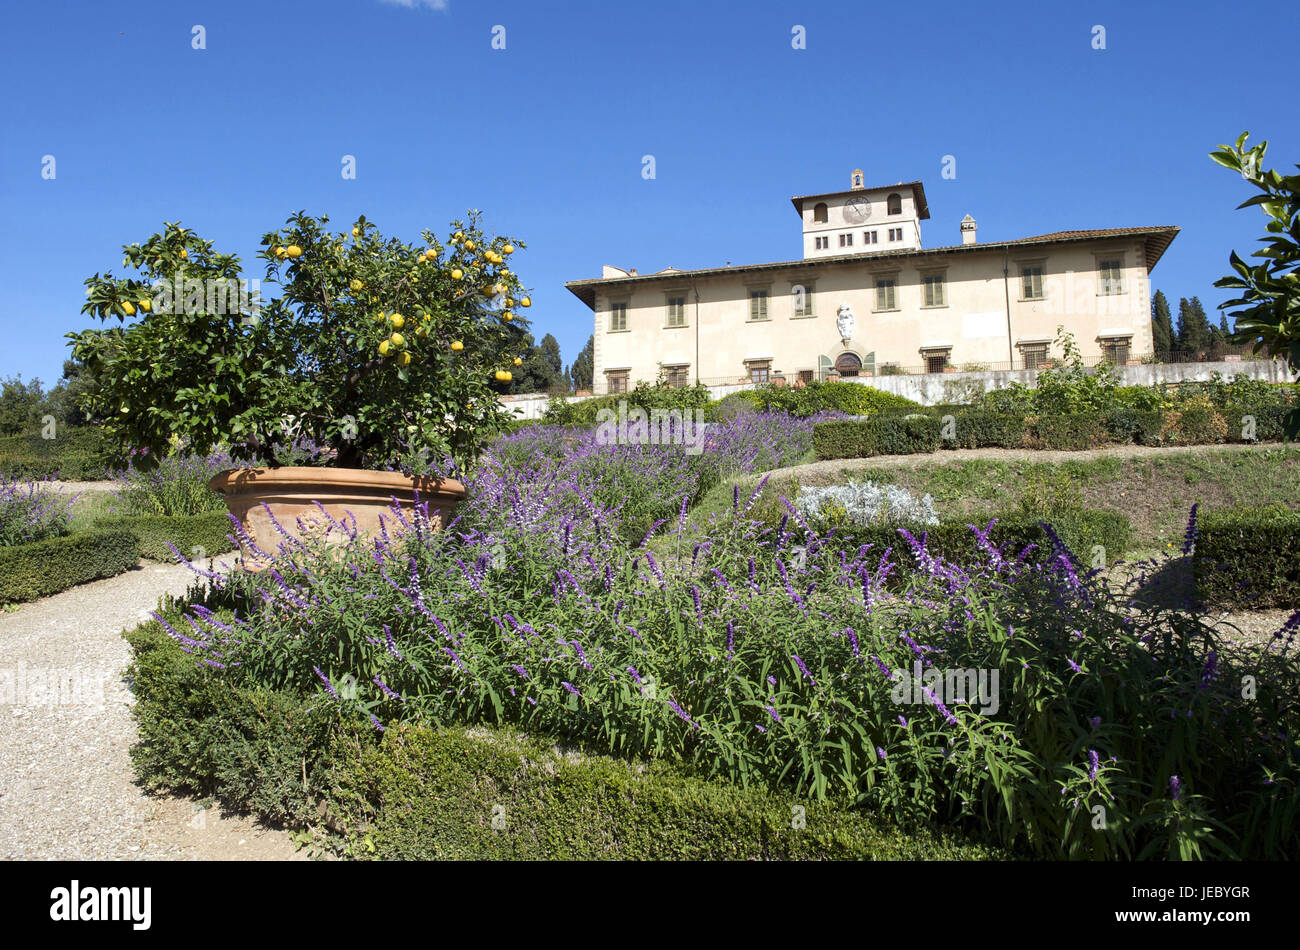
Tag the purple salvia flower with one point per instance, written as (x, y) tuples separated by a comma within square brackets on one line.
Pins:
[(1175, 787), (392, 644), (1094, 763), (329, 688), (804, 669), (571, 688), (683, 714)]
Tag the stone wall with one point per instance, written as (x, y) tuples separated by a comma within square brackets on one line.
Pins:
[(929, 389)]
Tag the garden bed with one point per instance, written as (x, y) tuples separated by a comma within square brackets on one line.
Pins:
[(30, 571)]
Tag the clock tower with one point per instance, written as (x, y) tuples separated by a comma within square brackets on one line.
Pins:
[(862, 220)]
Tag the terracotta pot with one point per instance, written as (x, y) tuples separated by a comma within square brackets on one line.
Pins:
[(291, 493)]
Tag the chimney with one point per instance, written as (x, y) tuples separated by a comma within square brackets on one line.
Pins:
[(968, 230)]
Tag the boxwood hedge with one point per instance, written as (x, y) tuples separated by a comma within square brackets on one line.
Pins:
[(888, 435), (29, 571), (422, 792), (76, 454), (208, 531), (1249, 556)]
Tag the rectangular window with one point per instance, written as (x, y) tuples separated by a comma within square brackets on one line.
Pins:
[(896, 234), (1116, 351), (618, 316), (617, 381), (758, 305), (677, 376), (822, 243), (1111, 277), (805, 376), (758, 370), (1034, 356), (676, 311), (885, 294), (846, 240), (935, 362), (1031, 282), (870, 237), (933, 285), (801, 300)]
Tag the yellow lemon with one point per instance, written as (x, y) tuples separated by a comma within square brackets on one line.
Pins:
[(356, 231), (355, 284), (527, 301), (128, 307), (457, 236), (384, 348), (426, 317), (470, 245), (507, 376), (293, 250), (508, 249), (146, 305), (397, 339), (499, 376), (510, 301), (280, 252), (398, 321), (185, 255), (518, 361), (509, 317), (457, 274), (422, 332), (379, 316), (457, 346), (404, 358)]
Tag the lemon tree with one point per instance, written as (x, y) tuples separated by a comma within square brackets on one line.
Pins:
[(384, 351), (179, 360), (395, 347)]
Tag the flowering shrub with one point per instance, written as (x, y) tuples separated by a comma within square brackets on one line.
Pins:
[(866, 504), (32, 511), (175, 485), (546, 476), (774, 658)]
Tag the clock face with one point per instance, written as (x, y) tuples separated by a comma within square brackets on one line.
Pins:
[(857, 209)]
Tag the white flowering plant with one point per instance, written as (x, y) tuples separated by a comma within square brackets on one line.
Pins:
[(866, 504)]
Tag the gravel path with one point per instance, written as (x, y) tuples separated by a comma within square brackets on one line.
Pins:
[(71, 488), (67, 787)]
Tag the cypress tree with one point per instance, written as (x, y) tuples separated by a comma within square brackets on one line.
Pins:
[(1162, 328)]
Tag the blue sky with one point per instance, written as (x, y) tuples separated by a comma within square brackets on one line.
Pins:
[(546, 137)]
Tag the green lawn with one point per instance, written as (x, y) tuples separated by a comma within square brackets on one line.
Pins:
[(1155, 492)]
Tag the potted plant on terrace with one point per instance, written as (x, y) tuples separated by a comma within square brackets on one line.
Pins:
[(387, 356)]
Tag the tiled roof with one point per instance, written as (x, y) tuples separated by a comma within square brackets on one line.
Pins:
[(918, 192), (1157, 240)]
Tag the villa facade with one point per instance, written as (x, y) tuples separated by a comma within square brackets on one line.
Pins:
[(869, 298)]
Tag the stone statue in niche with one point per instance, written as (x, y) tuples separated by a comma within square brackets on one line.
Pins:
[(844, 321)]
